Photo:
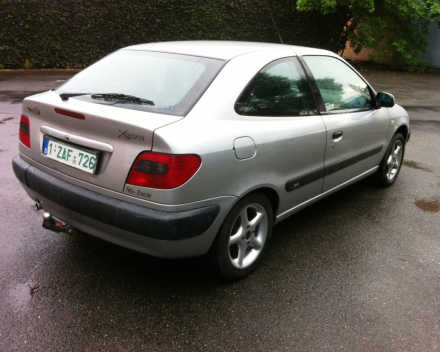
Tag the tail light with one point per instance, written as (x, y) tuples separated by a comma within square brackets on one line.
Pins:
[(24, 131), (163, 171)]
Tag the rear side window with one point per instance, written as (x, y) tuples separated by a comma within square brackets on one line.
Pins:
[(341, 88), (173, 82), (279, 89)]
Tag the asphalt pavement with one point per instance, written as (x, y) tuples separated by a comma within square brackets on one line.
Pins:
[(357, 271)]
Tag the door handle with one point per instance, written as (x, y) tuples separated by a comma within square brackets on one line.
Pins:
[(337, 136)]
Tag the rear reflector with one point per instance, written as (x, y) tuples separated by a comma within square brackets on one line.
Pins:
[(70, 114), (163, 171), (24, 134)]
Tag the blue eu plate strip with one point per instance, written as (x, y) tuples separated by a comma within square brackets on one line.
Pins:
[(45, 145)]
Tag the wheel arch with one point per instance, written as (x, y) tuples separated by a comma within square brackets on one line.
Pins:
[(271, 195), (404, 131)]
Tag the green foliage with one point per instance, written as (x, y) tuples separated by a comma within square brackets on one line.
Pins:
[(75, 33), (330, 84), (396, 28)]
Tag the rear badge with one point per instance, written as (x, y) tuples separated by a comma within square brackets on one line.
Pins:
[(134, 191), (126, 135), (33, 110)]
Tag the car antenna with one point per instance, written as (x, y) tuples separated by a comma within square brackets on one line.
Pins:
[(274, 23)]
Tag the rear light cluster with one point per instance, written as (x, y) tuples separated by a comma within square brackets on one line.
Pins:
[(25, 131), (163, 171)]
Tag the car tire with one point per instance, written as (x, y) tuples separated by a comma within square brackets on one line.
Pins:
[(391, 163), (243, 237)]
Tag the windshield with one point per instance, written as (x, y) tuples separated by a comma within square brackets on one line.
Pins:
[(173, 82)]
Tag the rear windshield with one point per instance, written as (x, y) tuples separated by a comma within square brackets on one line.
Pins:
[(174, 83)]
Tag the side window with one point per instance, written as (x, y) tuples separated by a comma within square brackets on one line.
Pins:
[(279, 89), (341, 88)]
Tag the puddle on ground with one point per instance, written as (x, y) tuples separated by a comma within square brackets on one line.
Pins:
[(434, 108), (415, 165), (425, 122), (429, 206), (15, 97), (21, 295)]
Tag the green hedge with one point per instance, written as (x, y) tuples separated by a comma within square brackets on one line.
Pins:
[(75, 33)]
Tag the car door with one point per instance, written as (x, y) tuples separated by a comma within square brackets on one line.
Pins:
[(291, 135), (356, 129)]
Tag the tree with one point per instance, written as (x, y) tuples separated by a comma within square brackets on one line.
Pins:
[(396, 28)]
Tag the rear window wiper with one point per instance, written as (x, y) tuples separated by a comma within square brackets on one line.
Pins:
[(66, 96), (122, 98), (113, 97)]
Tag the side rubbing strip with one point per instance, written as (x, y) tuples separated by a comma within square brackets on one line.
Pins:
[(339, 165), (304, 179)]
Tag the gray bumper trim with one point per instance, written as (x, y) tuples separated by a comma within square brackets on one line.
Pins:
[(131, 217)]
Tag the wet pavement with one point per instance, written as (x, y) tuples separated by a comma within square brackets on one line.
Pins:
[(15, 85), (358, 271)]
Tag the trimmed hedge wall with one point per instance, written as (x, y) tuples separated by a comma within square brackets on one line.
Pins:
[(75, 33)]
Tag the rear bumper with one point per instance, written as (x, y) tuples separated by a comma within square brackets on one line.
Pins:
[(130, 225)]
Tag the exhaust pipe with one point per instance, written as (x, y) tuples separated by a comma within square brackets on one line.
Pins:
[(49, 223)]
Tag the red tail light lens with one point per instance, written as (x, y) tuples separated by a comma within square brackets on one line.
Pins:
[(24, 131), (163, 171)]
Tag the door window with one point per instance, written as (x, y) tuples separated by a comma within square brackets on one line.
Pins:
[(279, 89), (341, 88)]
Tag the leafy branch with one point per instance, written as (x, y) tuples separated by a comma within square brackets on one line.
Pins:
[(395, 28)]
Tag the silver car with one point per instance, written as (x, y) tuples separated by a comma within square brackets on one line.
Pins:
[(184, 149)]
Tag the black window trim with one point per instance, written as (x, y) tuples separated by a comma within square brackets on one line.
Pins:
[(320, 101)]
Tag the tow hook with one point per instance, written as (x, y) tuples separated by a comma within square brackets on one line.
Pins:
[(38, 204), (52, 224)]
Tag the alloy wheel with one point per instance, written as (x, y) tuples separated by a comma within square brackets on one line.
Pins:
[(248, 235)]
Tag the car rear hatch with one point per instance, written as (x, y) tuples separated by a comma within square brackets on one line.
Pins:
[(91, 142), (94, 126)]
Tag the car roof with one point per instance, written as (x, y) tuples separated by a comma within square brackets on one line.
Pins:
[(224, 50)]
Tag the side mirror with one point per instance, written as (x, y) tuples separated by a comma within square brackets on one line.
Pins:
[(385, 100)]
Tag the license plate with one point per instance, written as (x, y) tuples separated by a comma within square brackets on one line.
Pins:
[(68, 154)]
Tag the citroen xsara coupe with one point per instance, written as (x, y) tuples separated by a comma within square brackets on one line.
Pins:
[(186, 149)]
